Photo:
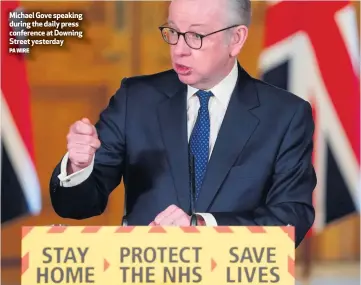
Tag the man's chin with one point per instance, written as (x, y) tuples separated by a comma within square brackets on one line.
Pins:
[(187, 79)]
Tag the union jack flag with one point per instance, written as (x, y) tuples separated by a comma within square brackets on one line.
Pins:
[(311, 49), (20, 187)]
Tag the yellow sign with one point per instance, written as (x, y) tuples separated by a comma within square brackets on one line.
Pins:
[(158, 255)]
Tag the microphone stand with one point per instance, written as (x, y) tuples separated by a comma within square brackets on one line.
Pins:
[(192, 186)]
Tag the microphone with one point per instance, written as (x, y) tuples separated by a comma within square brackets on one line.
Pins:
[(192, 186), (124, 219)]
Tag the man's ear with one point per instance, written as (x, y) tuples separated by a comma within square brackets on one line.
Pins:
[(238, 39)]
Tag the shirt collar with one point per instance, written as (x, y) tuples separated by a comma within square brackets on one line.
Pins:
[(223, 90)]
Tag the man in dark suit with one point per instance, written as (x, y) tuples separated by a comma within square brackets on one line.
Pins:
[(252, 142)]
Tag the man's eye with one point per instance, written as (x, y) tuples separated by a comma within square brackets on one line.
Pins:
[(195, 36)]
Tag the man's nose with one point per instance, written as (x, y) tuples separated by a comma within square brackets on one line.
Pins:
[(181, 48)]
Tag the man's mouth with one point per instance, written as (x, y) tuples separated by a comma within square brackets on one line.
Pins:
[(182, 69)]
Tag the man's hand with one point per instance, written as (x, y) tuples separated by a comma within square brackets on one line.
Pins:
[(82, 142), (174, 216)]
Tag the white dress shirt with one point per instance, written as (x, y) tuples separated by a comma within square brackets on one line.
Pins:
[(217, 108)]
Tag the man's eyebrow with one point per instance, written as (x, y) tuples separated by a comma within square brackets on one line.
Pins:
[(198, 25), (193, 25)]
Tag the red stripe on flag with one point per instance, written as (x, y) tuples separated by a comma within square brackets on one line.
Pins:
[(14, 84)]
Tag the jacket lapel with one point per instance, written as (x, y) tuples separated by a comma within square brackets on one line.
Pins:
[(237, 127), (172, 114)]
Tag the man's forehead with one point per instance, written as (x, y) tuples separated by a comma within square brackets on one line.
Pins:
[(195, 12), (201, 3), (194, 19)]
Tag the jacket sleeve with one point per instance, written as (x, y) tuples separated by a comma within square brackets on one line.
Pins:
[(90, 197)]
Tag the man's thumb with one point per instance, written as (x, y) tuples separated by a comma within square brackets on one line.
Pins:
[(86, 121)]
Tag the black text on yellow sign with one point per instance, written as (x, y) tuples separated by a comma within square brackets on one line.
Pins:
[(154, 255)]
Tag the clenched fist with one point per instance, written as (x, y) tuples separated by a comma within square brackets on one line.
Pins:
[(82, 143)]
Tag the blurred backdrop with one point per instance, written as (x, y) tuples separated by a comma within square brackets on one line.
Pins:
[(122, 39)]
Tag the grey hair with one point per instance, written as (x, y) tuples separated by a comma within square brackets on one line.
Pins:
[(239, 12)]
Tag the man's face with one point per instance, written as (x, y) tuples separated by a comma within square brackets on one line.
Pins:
[(199, 68)]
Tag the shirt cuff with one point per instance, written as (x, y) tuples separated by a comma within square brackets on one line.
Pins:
[(75, 178), (209, 219)]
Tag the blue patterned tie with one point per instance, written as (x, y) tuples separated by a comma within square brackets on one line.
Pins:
[(199, 141)]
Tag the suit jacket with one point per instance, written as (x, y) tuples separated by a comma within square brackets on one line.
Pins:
[(260, 171)]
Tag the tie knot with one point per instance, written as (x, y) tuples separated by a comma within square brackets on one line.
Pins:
[(204, 97)]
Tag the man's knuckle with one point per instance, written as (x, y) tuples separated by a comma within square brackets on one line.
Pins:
[(88, 149), (69, 148), (98, 144), (90, 157)]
